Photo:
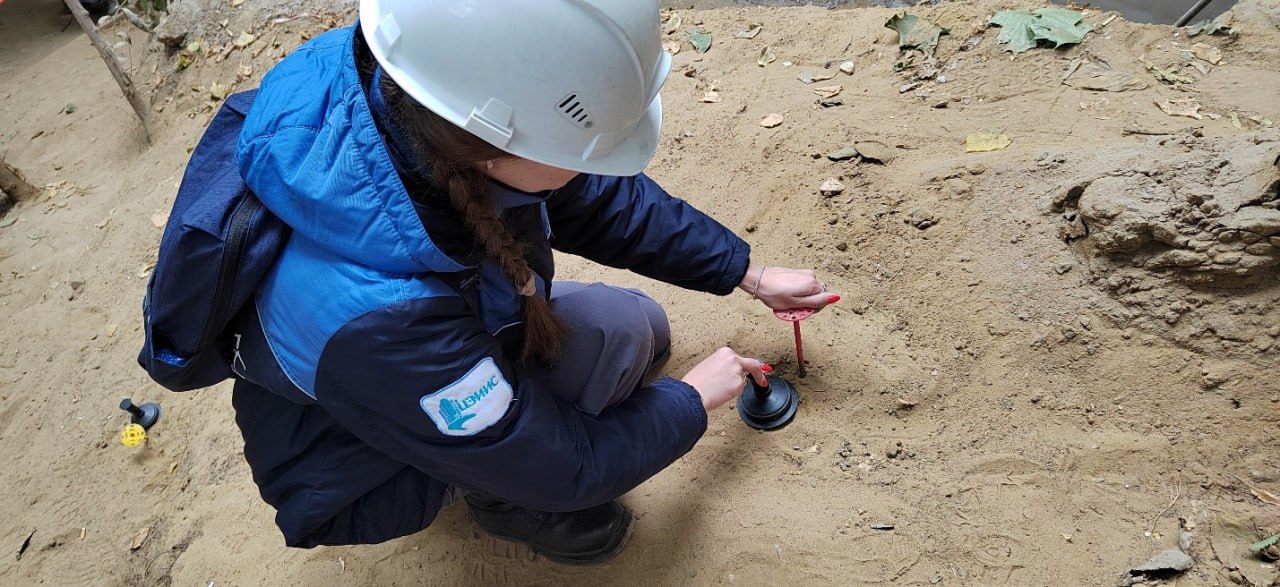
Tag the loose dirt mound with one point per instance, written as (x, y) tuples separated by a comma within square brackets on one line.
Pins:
[(1185, 233)]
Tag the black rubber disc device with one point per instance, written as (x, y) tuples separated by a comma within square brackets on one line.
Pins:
[(144, 415), (768, 408)]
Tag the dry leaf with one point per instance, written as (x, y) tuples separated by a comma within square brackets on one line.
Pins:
[(983, 141), (826, 92), (671, 47), (821, 76), (1264, 496), (772, 120), (159, 219), (1189, 107), (673, 24), (111, 330), (1207, 52), (753, 29), (244, 40), (139, 538), (217, 91), (766, 56)]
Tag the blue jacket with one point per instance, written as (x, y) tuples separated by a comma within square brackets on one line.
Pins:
[(405, 345)]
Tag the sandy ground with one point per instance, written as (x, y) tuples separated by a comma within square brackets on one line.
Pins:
[(1011, 395)]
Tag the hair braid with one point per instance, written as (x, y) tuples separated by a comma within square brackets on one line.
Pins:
[(452, 156), (468, 191)]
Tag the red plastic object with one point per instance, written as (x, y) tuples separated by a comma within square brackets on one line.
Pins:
[(794, 316)]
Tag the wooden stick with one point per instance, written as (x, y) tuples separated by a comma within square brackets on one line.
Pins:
[(113, 64)]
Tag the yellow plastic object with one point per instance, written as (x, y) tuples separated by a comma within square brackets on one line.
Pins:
[(133, 435)]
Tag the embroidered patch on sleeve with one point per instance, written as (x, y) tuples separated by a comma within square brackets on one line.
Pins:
[(472, 403)]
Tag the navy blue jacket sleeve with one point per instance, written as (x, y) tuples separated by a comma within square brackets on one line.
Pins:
[(632, 223), (381, 374)]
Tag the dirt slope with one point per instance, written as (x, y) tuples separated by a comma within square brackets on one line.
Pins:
[(1021, 399)]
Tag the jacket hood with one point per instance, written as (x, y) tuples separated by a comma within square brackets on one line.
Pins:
[(312, 154)]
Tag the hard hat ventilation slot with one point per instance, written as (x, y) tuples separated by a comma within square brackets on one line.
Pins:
[(571, 108)]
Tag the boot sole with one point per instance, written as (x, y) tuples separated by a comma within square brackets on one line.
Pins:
[(592, 558)]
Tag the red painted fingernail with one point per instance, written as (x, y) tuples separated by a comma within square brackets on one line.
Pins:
[(831, 299), (766, 368)]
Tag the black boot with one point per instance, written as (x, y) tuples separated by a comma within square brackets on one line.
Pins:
[(583, 537)]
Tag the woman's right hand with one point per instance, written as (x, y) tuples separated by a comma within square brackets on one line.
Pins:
[(720, 378)]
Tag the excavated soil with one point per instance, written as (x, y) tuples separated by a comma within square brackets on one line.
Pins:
[(1048, 359)]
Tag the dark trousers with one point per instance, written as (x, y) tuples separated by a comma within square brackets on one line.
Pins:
[(617, 335)]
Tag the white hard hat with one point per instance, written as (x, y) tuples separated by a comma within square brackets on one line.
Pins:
[(567, 83)]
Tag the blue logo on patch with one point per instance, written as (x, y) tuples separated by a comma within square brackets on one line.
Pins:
[(472, 403), (454, 411)]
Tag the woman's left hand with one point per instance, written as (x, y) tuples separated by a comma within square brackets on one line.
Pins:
[(781, 288)]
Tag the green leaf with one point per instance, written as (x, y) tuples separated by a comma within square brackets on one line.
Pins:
[(1021, 30), (701, 41), (1212, 26), (1060, 26), (915, 32), (1015, 29), (1264, 544)]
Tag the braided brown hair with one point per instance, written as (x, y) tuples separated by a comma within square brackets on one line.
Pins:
[(453, 157)]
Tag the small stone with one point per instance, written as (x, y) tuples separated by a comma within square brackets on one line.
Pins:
[(1228, 258), (183, 19), (1178, 258), (875, 151), (69, 108), (1259, 248), (958, 187), (842, 247), (843, 154), (831, 187), (882, 526), (921, 218), (1270, 475), (1172, 560), (1062, 268), (772, 120), (893, 451), (847, 67)]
